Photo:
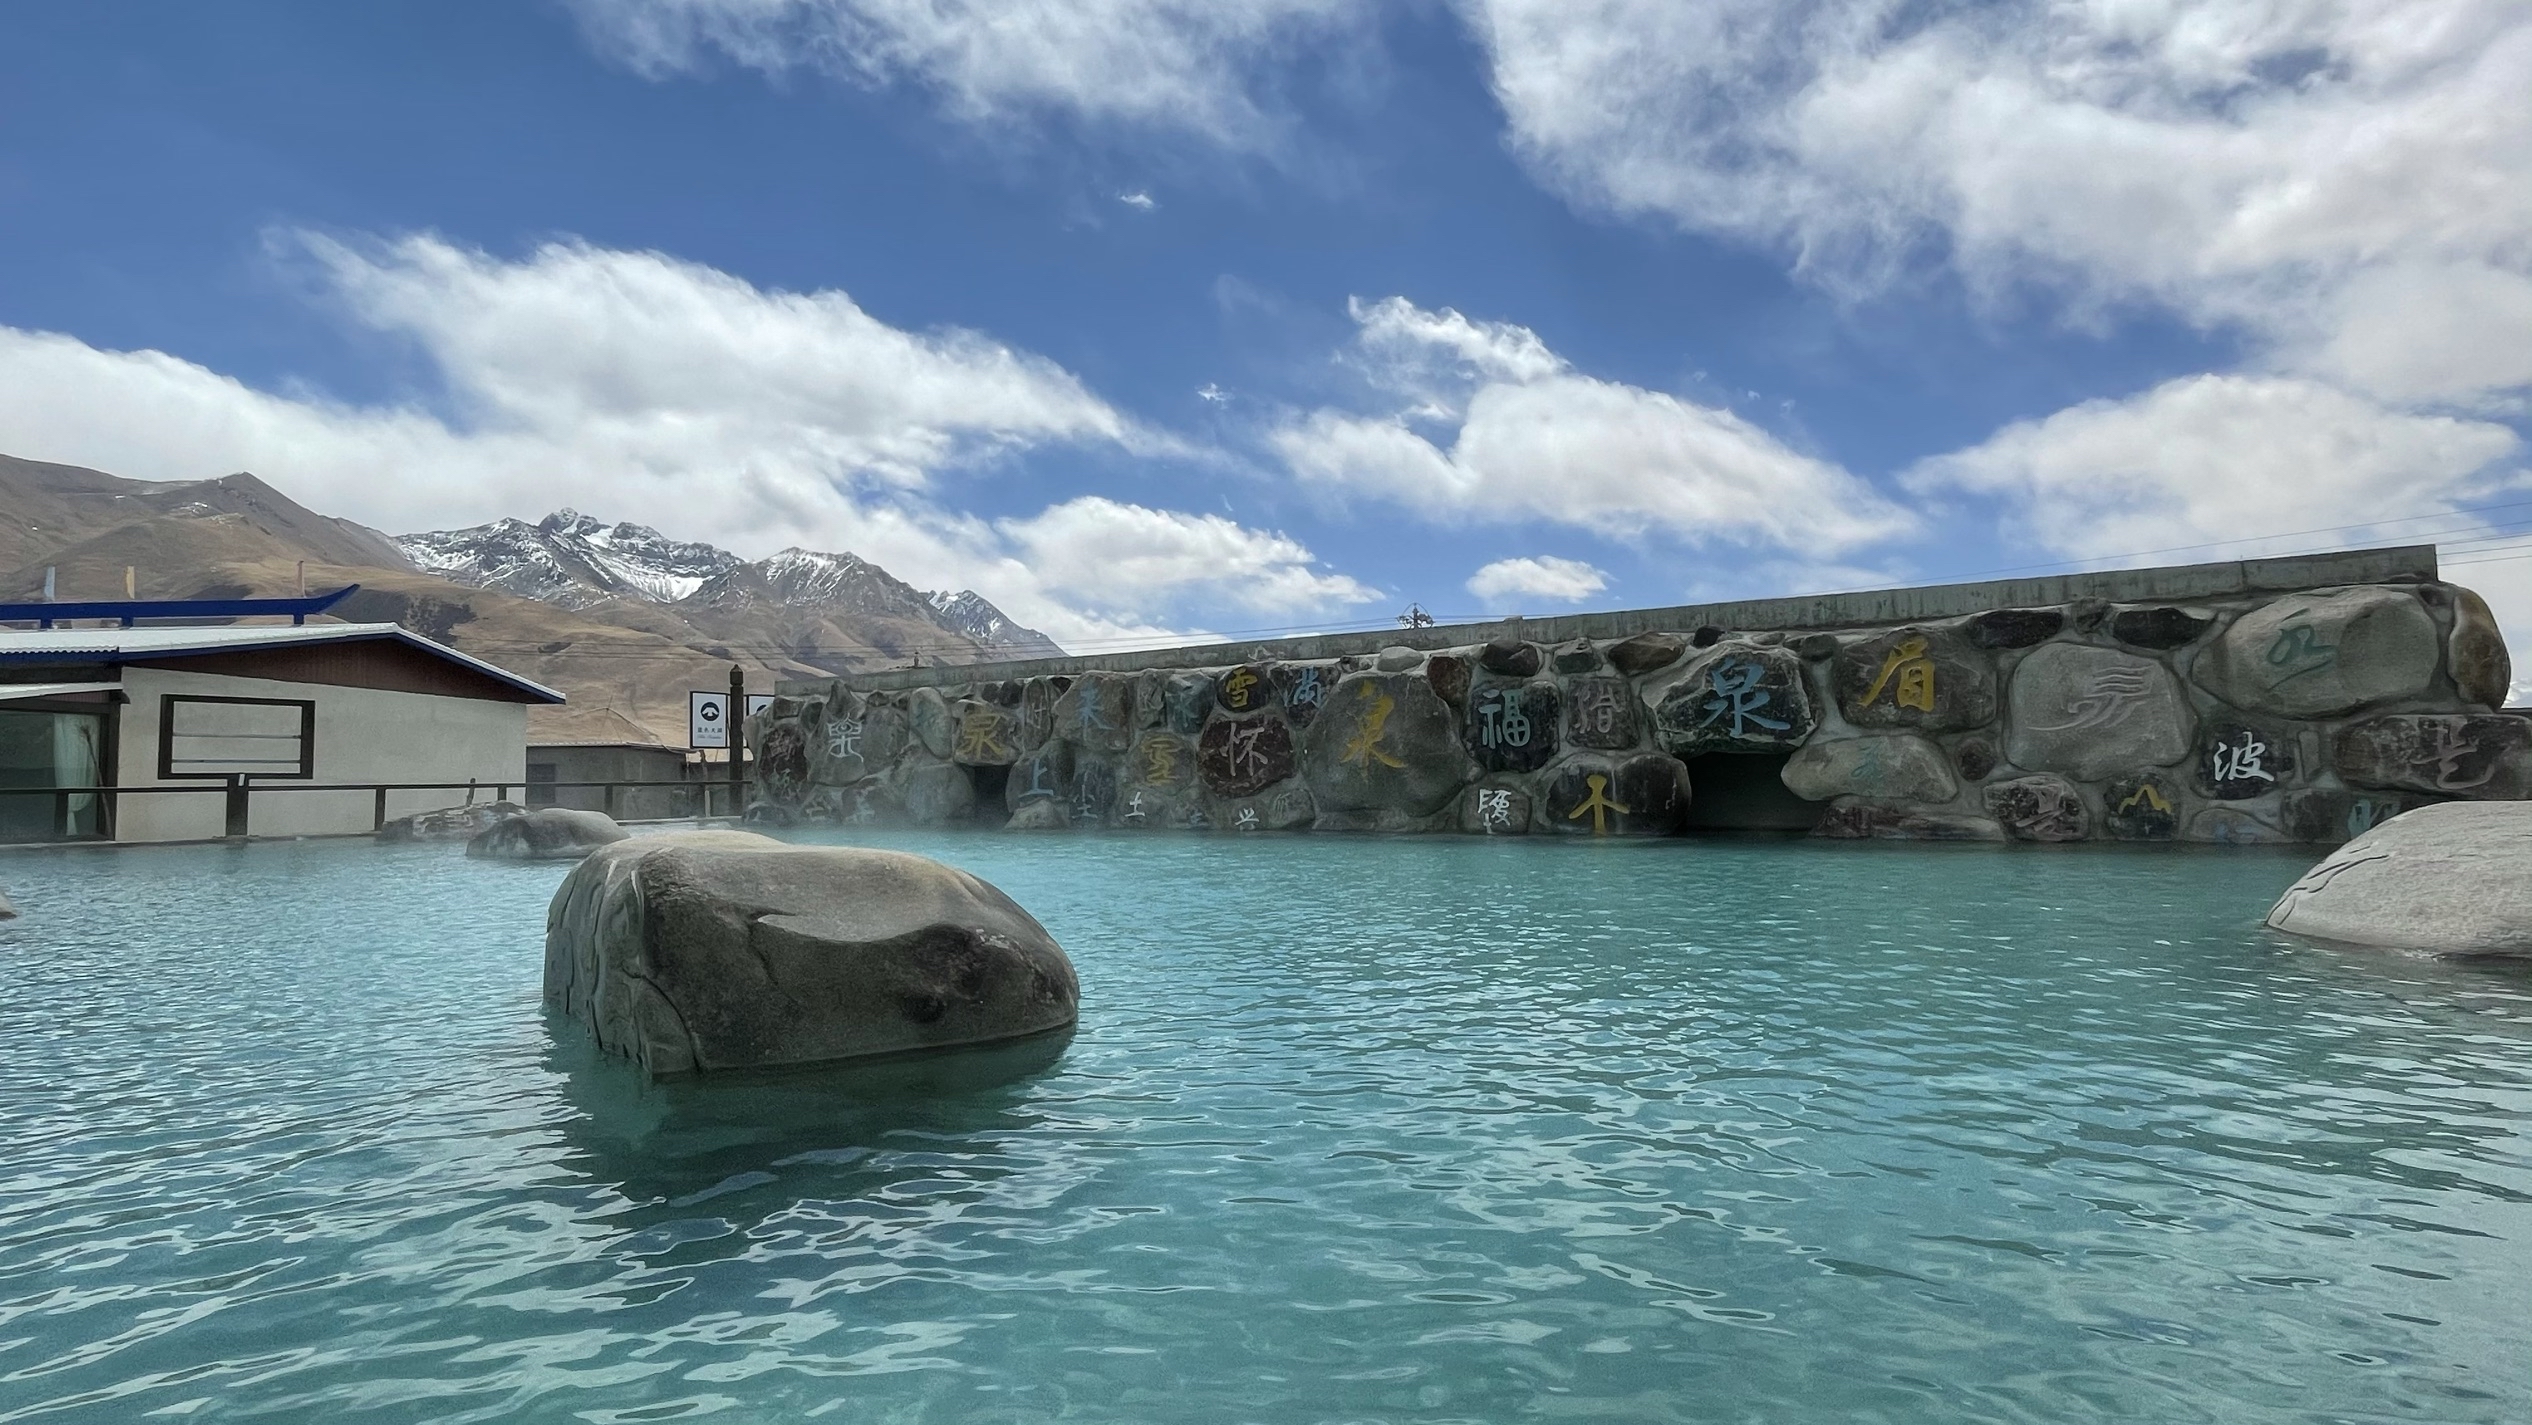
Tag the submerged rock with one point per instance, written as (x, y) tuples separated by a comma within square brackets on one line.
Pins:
[(449, 823), (726, 950), (546, 834), (2454, 878), (7, 911)]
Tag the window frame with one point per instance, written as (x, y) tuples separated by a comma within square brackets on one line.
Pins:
[(167, 772)]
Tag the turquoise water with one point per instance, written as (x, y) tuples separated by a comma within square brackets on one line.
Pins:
[(1351, 1131)]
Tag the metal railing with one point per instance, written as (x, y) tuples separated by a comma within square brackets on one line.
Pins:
[(237, 794)]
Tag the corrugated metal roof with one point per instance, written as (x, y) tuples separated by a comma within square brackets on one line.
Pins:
[(121, 645)]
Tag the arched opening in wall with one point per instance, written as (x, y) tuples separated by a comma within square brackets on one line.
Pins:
[(990, 784), (1746, 791)]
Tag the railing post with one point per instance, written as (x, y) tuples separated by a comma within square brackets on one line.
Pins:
[(378, 818), (61, 814), (236, 807)]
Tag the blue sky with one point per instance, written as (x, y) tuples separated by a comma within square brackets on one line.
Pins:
[(1147, 317)]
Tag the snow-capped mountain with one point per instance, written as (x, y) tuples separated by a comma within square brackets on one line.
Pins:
[(969, 613), (571, 559)]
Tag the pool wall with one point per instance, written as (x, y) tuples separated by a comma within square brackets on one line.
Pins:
[(2280, 700)]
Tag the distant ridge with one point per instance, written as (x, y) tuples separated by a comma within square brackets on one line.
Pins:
[(616, 616)]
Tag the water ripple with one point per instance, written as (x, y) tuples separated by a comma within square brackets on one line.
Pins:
[(1350, 1131)]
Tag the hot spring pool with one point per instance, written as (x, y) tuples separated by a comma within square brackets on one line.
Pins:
[(1351, 1131)]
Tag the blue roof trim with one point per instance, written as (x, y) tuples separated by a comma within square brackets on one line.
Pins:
[(127, 610)]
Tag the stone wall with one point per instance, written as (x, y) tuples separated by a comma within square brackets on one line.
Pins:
[(2253, 718)]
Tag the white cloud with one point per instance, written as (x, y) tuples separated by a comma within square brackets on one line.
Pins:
[(2229, 458), (1204, 66), (1126, 556), (1563, 581), (1139, 200), (646, 388), (2241, 162), (1531, 439)]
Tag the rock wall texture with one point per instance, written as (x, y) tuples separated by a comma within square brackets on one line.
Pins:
[(2260, 718)]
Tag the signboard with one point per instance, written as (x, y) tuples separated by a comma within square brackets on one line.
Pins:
[(707, 719), (758, 702)]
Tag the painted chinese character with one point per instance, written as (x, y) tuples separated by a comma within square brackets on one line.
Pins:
[(1596, 708), (1245, 756), (1494, 808), (2106, 701), (2233, 764), (2298, 650), (1247, 820), (1235, 689), (1134, 807), (2147, 795), (1914, 675), (1363, 748), (844, 737), (1306, 690), (1160, 762), (1598, 804), (1088, 707), (981, 737), (2449, 750), (1037, 780), (1501, 721), (1738, 696)]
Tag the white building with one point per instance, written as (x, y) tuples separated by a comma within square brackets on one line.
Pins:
[(278, 730)]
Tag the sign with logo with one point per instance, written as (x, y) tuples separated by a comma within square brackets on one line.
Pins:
[(758, 702), (707, 719)]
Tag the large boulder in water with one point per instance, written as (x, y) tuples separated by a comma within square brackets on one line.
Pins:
[(2453, 878), (546, 834), (449, 823), (727, 950), (7, 911)]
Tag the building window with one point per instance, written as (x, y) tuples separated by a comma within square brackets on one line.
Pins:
[(236, 737), (50, 750)]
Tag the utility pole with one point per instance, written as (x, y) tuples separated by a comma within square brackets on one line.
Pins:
[(1415, 617), (738, 742)]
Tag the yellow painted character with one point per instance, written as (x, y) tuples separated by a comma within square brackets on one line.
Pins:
[(1364, 747), (981, 737), (1598, 804), (1235, 689), (1914, 672), (1160, 763), (2149, 796)]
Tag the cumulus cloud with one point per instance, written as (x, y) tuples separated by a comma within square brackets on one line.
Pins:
[(2349, 181), (2223, 458), (653, 390), (1516, 434), (1128, 555), (1206, 66), (1563, 581)]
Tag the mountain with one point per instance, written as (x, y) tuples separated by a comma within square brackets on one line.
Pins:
[(570, 559), (835, 611), (614, 616)]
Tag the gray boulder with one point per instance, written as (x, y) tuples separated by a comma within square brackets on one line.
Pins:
[(2039, 808), (1039, 816), (2480, 665), (1897, 768), (1733, 697), (449, 823), (2454, 878), (1921, 679), (1097, 713), (7, 911), (928, 793), (711, 950), (928, 715), (2319, 655), (2094, 712), (2483, 756), (1385, 742), (546, 834)]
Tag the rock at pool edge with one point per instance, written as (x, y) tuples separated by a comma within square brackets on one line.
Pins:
[(545, 834), (2453, 878), (727, 950)]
